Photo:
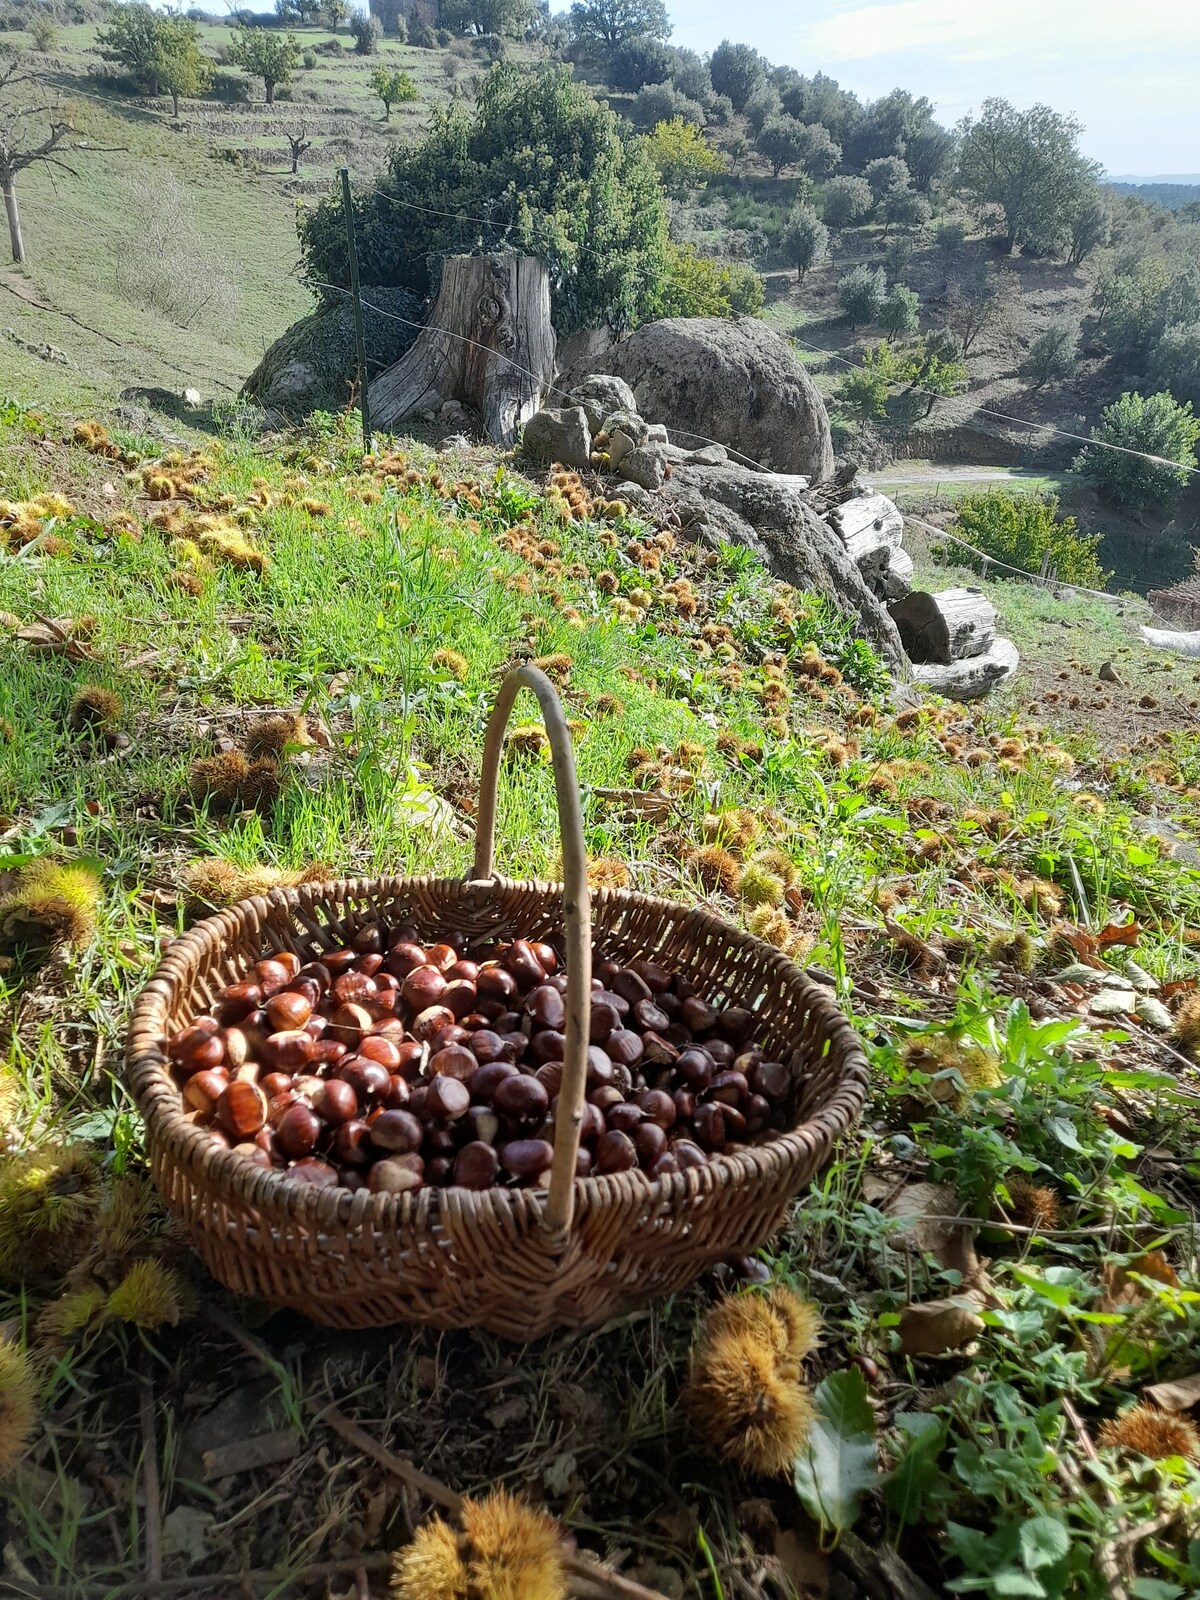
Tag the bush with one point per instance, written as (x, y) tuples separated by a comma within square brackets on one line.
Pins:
[(900, 313), (1052, 356), (43, 32), (662, 102), (846, 201), (1155, 425), (1023, 529), (422, 37), (309, 60), (639, 60), (366, 31), (1175, 364), (166, 265), (866, 389), (697, 286), (860, 295), (805, 241), (950, 234), (555, 171), (682, 158), (736, 71)]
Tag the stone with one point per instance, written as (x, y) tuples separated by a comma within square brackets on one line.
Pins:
[(656, 433), (191, 397), (628, 422), (559, 435), (618, 447), (600, 395), (313, 366), (771, 514), (734, 381), (645, 466)]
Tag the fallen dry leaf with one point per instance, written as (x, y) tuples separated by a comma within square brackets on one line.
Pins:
[(921, 1210), (933, 1327), (1180, 1394), (1119, 933), (1120, 1289), (802, 1563)]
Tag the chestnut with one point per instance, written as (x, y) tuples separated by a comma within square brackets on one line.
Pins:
[(351, 1144), (688, 1154), (272, 973), (312, 1170), (547, 1007), (441, 956), (625, 1118), (318, 972), (398, 1132), (709, 1125), (370, 1080), (368, 940), (650, 1141), (729, 1088), (550, 1075), (476, 1166), (624, 1047), (339, 961), (459, 997), (757, 1111), (659, 1051), (548, 1045), (396, 1175), (630, 986), (195, 1049), (605, 1097), (462, 972), (349, 1022), (288, 1051), (439, 1170), (237, 1048), (697, 1014), (521, 1097), (722, 1053), (520, 960), (600, 1069), (287, 1010), (298, 1130), (685, 1104), (350, 986), (241, 1109), (526, 1158), (615, 1152), (546, 956), (483, 1124), (336, 1101), (405, 957), (665, 1165), (398, 1093), (735, 1023), (657, 979), (648, 1015), (603, 1019), (375, 1047), (426, 1023), (485, 1080), (658, 1106), (446, 1098), (423, 987), (453, 1062), (239, 1000), (253, 1153), (496, 982), (771, 1079), (695, 1068), (203, 1089)]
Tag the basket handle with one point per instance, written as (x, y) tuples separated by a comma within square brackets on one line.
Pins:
[(560, 1202)]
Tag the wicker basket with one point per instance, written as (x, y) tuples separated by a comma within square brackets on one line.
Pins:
[(516, 1261)]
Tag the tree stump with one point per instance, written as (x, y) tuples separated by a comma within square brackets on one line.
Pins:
[(945, 627), (872, 529), (489, 344), (973, 676)]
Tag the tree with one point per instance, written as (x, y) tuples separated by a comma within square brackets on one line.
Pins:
[(821, 99), (367, 32), (1024, 529), (805, 240), (683, 159), (697, 286), (335, 13), (269, 56), (885, 174), (929, 155), (1090, 225), (393, 87), (886, 127), (900, 314), (304, 12), (762, 107), (866, 389), (34, 130), (929, 368), (604, 24), (181, 68), (860, 294), (977, 304), (904, 208), (846, 201), (1029, 164), (1154, 425), (508, 18), (298, 143), (640, 60), (784, 142), (736, 71), (662, 102), (134, 39), (554, 175), (1052, 356), (43, 32), (1175, 363)]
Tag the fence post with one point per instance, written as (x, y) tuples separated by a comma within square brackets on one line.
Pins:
[(1045, 569), (359, 341)]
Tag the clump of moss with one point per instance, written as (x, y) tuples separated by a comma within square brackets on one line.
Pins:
[(51, 903), (18, 1403), (49, 1201), (94, 707)]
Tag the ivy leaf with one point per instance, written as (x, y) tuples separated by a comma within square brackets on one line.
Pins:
[(1044, 1540), (839, 1462)]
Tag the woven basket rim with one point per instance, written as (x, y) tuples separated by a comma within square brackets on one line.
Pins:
[(277, 1196)]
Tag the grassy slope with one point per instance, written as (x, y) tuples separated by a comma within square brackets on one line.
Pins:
[(363, 588), (77, 228)]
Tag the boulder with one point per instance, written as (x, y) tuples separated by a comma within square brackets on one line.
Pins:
[(735, 381), (559, 435), (313, 366), (771, 514), (600, 395), (646, 466)]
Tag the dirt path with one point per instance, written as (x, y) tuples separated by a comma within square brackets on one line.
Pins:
[(916, 473)]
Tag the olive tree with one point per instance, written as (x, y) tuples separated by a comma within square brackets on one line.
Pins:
[(1029, 164), (805, 241)]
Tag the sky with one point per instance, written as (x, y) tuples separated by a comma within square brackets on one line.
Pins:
[(1128, 69)]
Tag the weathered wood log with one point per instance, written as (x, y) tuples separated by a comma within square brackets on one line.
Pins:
[(973, 676), (1183, 644), (872, 529), (489, 344), (898, 578), (945, 627)]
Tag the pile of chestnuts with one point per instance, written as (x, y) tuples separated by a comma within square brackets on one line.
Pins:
[(391, 1064)]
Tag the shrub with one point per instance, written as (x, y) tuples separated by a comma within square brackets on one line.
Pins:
[(697, 286), (43, 32), (1175, 364), (866, 389), (555, 171), (422, 37), (366, 32), (1023, 529), (860, 295), (1052, 355), (309, 60), (805, 241), (846, 201), (683, 159), (166, 265), (900, 313), (638, 61), (1155, 425), (662, 102)]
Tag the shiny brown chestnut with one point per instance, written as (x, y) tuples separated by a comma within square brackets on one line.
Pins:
[(476, 1166), (298, 1130), (287, 1010), (521, 1097), (526, 1158), (241, 1109), (336, 1101), (397, 1132), (396, 1175), (315, 1172), (446, 1098)]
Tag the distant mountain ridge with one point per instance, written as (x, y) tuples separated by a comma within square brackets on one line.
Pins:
[(1141, 180), (1171, 193)]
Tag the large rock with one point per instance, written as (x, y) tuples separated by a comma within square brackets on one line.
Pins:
[(312, 367), (771, 514), (731, 380), (558, 435)]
